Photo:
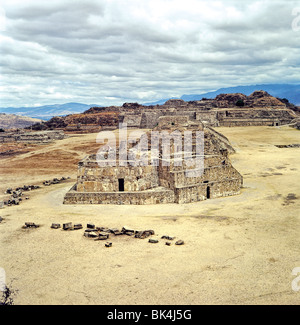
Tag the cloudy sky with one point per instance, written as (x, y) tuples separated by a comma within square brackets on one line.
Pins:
[(108, 52)]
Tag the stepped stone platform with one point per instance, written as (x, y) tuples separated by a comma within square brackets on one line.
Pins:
[(167, 181)]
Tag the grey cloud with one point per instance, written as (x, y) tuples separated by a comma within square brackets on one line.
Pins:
[(133, 49), (67, 9)]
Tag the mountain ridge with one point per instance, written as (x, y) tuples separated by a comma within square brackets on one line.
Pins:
[(12, 121), (45, 112), (288, 91)]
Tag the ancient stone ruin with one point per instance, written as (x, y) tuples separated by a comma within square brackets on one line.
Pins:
[(229, 110), (103, 233), (162, 182), (32, 137)]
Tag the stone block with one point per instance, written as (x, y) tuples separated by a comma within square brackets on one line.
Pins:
[(67, 226), (144, 234), (153, 241), (55, 226)]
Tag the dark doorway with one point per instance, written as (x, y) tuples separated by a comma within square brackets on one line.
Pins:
[(208, 192), (121, 184)]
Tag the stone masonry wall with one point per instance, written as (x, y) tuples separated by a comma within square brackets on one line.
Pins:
[(138, 198)]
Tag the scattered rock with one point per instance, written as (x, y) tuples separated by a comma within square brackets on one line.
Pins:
[(91, 234), (55, 226), (15, 201), (54, 181), (104, 229), (297, 145), (90, 230), (30, 225), (103, 233), (167, 237), (102, 236), (1, 219), (153, 241), (129, 233), (67, 226), (144, 234), (127, 230), (114, 230), (118, 233), (16, 194)]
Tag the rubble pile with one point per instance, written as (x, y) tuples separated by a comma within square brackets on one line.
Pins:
[(30, 225), (55, 181), (17, 193), (297, 145), (104, 233)]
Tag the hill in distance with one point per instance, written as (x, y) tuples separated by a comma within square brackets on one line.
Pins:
[(290, 92), (46, 112), (12, 121)]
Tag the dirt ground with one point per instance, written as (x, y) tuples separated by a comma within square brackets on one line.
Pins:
[(238, 250)]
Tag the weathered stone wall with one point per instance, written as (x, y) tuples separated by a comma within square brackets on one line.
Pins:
[(132, 120), (139, 198), (254, 117), (207, 191), (149, 120), (92, 178), (207, 117), (32, 137), (212, 174)]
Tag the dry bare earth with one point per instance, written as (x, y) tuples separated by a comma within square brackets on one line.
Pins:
[(238, 250)]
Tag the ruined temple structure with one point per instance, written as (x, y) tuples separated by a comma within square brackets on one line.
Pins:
[(32, 137), (166, 181), (227, 110)]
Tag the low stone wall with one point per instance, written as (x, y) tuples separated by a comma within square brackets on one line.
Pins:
[(91, 178), (32, 137), (210, 190), (228, 122), (163, 196)]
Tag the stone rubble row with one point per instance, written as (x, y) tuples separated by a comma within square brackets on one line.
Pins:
[(17, 193), (103, 233)]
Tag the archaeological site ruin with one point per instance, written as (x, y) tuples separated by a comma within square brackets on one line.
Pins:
[(229, 110), (174, 183), (170, 181)]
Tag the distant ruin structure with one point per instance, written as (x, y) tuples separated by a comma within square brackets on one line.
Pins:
[(32, 137), (227, 110)]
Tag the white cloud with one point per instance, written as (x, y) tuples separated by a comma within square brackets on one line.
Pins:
[(112, 51)]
